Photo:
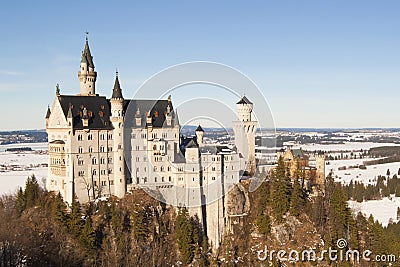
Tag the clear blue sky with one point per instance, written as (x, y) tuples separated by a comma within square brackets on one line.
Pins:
[(319, 63)]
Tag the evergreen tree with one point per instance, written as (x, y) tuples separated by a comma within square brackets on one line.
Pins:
[(184, 235), (75, 222), (297, 198), (280, 191), (87, 235), (338, 213), (264, 223), (59, 209), (139, 223), (20, 204), (359, 192), (31, 191), (263, 220)]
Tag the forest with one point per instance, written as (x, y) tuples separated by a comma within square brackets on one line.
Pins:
[(38, 229)]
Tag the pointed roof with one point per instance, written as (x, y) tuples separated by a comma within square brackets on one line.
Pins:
[(48, 112), (69, 115), (191, 144), (199, 129), (117, 92), (176, 121), (86, 55), (244, 100)]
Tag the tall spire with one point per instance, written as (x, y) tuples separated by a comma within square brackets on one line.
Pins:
[(48, 113), (87, 75), (117, 92), (86, 55)]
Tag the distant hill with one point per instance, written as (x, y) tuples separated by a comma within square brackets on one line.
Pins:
[(23, 136)]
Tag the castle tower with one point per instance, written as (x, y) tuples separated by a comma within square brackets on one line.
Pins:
[(320, 174), (86, 74), (245, 129), (117, 119), (199, 135)]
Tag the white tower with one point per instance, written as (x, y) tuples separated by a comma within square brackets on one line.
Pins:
[(199, 135), (86, 74), (117, 119), (245, 129)]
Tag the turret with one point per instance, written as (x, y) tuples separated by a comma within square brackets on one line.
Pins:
[(199, 135), (245, 130), (244, 108), (117, 100), (86, 74), (117, 119)]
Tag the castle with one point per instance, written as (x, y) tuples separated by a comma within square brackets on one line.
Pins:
[(313, 177), (101, 147)]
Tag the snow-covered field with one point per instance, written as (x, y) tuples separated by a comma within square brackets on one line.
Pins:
[(346, 146), (383, 210), (367, 176), (11, 181), (15, 168)]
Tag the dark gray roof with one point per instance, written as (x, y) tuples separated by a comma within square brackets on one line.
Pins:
[(98, 110), (188, 142), (48, 112), (117, 92), (157, 108), (199, 129), (86, 55), (244, 100)]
